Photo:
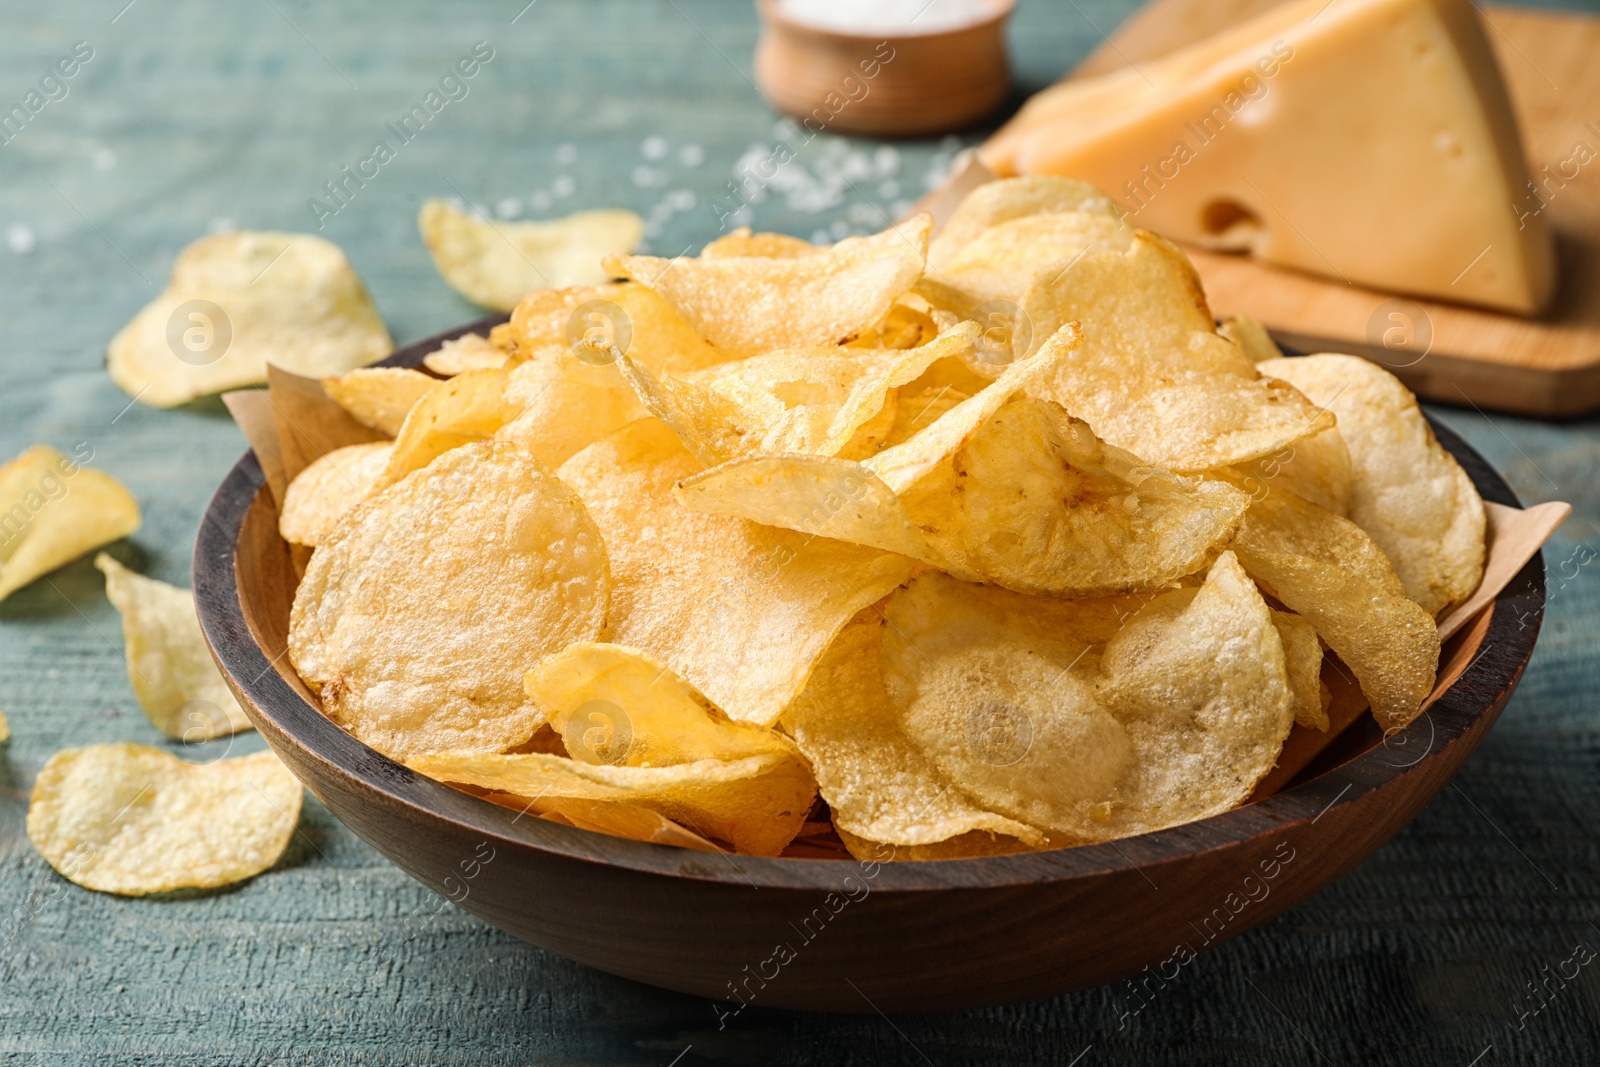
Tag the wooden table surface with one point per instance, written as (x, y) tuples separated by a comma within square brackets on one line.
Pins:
[(191, 116)]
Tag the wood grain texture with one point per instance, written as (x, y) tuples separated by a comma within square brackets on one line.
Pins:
[(1449, 353), (1418, 956)]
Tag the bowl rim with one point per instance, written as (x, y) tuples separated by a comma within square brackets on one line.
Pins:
[(1504, 652), (772, 13)]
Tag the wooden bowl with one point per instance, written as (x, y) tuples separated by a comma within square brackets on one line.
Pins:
[(841, 935), (906, 85)]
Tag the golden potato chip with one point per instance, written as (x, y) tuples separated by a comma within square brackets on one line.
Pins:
[(328, 488), (1251, 337), (1152, 376), (880, 789), (472, 406), (5, 728), (915, 412), (53, 510), (1316, 468), (169, 662), (742, 243), (626, 316), (464, 353), (1325, 568), (416, 622), (567, 399), (238, 301), (907, 324), (741, 611), (612, 704), (1183, 709), (617, 818), (1001, 201), (496, 264), (747, 305), (809, 400), (835, 498), (1000, 263), (379, 397), (1406, 491), (1302, 655), (132, 820), (756, 804), (1036, 503)]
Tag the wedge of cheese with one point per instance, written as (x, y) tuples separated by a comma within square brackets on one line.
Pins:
[(1371, 141)]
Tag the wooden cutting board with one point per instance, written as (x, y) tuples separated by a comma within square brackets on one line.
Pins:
[(1445, 352)]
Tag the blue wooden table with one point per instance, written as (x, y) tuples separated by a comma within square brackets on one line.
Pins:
[(192, 116)]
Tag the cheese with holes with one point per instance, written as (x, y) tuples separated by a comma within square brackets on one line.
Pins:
[(1371, 141)]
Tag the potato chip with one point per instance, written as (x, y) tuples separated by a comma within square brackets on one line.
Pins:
[(1315, 468), (1325, 568), (567, 399), (464, 353), (1181, 712), (810, 400), (416, 622), (742, 243), (496, 264), (1251, 337), (1406, 491), (53, 510), (1000, 263), (328, 488), (741, 611), (859, 502), (615, 705), (169, 663), (915, 412), (626, 316), (747, 305), (379, 397), (133, 820), (756, 804), (1036, 503), (907, 324), (472, 406), (997, 202), (1302, 656), (5, 728), (238, 301), (880, 789), (1152, 376)]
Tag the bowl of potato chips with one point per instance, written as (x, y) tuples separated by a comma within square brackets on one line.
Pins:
[(938, 618)]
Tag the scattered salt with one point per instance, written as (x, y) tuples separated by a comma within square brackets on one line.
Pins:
[(508, 208), (691, 155), (566, 155), (21, 239), (654, 147), (563, 187), (887, 16)]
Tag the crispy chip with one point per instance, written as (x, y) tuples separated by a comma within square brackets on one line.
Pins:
[(997, 202), (5, 728), (626, 316), (615, 705), (811, 400), (741, 611), (1316, 468), (1048, 712), (879, 787), (1152, 375), (907, 324), (1036, 503), (567, 399), (472, 406), (496, 264), (747, 305), (238, 301), (468, 352), (169, 663), (1406, 491), (1327, 569), (1252, 337), (131, 819), (328, 488), (53, 510), (1302, 655), (1001, 263), (756, 804), (742, 243), (379, 397), (417, 621)]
